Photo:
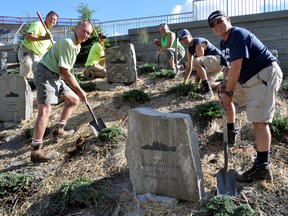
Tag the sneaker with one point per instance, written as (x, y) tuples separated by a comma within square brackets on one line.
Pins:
[(60, 134), (38, 155), (232, 137), (257, 172), (205, 90)]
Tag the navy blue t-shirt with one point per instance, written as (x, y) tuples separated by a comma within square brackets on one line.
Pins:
[(243, 44), (210, 50)]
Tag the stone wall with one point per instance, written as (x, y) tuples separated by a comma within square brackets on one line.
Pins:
[(271, 28)]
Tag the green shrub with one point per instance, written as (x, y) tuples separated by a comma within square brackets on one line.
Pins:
[(279, 125), (244, 210), (110, 134), (220, 206), (77, 192), (183, 90), (146, 68), (285, 85), (164, 73), (209, 110), (88, 86), (136, 95), (11, 182)]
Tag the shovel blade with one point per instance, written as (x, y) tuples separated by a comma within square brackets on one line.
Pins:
[(95, 128), (226, 183), (101, 123)]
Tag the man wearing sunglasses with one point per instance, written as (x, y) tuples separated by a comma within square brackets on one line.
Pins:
[(252, 77), (205, 58), (167, 47)]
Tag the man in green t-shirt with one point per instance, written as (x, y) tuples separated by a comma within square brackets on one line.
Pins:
[(96, 62), (53, 79), (167, 47), (35, 44)]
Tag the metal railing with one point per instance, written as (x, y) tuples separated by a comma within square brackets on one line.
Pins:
[(200, 10)]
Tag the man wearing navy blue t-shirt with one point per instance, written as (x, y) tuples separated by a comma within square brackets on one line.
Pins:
[(252, 78)]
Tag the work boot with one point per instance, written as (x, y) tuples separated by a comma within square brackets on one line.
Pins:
[(257, 172), (38, 155), (59, 133), (232, 137), (205, 90)]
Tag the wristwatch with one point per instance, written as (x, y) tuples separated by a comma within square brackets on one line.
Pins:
[(230, 93)]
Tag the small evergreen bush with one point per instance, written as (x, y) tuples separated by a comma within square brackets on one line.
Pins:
[(77, 192), (136, 95), (88, 86), (183, 90), (146, 68), (209, 110), (110, 135), (11, 182), (279, 125), (164, 73)]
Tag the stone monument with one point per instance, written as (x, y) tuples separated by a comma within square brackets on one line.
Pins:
[(163, 155), (121, 64), (16, 98)]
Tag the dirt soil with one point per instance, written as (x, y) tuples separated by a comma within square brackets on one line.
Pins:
[(106, 163)]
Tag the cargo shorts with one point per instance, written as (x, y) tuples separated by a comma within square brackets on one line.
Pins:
[(259, 94), (49, 86), (212, 66)]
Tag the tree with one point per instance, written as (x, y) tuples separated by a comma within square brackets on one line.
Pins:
[(84, 11)]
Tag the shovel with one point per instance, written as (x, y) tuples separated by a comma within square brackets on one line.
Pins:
[(97, 124), (226, 181)]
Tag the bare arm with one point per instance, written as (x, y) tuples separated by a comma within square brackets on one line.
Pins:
[(31, 37), (70, 80), (189, 67)]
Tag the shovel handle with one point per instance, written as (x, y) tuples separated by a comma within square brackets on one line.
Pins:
[(93, 27), (44, 25), (91, 111)]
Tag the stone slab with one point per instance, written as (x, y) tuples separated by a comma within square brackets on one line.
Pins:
[(162, 152), (16, 98)]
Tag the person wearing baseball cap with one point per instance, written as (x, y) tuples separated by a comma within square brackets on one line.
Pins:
[(252, 77), (96, 61), (205, 58)]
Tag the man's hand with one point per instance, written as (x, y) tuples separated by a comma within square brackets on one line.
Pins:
[(157, 42)]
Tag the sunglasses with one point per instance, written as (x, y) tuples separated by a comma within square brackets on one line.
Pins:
[(162, 24), (216, 22)]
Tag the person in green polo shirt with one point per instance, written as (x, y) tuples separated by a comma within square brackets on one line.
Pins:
[(35, 45), (96, 62)]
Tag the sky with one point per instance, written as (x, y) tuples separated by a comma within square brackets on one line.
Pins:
[(103, 10)]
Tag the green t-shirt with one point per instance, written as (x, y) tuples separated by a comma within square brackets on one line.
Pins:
[(38, 47), (95, 54), (164, 41), (62, 54)]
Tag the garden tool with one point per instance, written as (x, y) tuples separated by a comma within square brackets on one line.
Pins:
[(226, 180), (44, 25), (97, 124)]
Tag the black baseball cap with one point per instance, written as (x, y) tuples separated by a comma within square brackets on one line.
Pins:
[(215, 15), (101, 35)]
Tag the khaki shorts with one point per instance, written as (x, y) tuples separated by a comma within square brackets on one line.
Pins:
[(96, 70), (170, 54), (49, 86), (259, 94), (28, 62), (212, 66)]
